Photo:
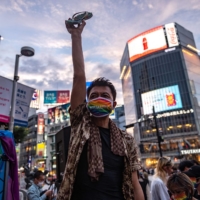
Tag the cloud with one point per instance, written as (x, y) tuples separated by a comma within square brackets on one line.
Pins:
[(41, 26), (135, 2), (150, 6)]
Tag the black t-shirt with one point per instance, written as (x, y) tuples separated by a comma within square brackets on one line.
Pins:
[(109, 186)]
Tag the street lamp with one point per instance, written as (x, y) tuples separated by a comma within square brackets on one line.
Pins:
[(25, 51), (1, 38)]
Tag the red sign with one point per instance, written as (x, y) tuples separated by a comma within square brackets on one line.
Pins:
[(40, 123), (63, 96)]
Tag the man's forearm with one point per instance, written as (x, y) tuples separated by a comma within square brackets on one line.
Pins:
[(138, 194), (77, 56)]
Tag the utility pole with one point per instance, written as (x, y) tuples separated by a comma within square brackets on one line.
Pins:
[(157, 132)]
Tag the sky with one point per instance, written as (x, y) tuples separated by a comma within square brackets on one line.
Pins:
[(40, 24)]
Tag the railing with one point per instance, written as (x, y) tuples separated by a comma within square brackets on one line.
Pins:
[(169, 150), (166, 134)]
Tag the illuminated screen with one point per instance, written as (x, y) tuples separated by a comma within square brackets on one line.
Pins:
[(163, 99), (146, 43)]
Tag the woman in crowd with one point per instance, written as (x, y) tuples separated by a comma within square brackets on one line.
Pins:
[(144, 185), (158, 186), (181, 187)]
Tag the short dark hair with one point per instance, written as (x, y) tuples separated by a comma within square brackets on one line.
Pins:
[(195, 162), (102, 81), (185, 163), (181, 181), (38, 174)]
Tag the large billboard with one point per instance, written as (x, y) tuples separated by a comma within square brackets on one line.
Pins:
[(163, 99), (171, 35), (58, 114), (35, 101), (146, 43), (56, 96), (40, 124)]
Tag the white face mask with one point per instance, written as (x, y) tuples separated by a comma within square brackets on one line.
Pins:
[(40, 184)]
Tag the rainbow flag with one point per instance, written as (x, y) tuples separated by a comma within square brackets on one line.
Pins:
[(181, 196)]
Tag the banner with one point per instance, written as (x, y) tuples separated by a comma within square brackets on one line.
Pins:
[(56, 96), (22, 104), (35, 101), (5, 99), (41, 124), (58, 114)]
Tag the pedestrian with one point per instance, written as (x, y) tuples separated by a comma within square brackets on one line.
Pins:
[(195, 162), (181, 187), (185, 165), (34, 192), (102, 160), (158, 186), (145, 185), (194, 174)]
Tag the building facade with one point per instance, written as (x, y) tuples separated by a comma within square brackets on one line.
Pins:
[(57, 119), (160, 68), (29, 145)]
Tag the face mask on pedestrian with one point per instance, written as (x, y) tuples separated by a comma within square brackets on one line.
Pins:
[(181, 196), (40, 184), (100, 107)]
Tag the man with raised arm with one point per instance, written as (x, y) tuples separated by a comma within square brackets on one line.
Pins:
[(102, 160)]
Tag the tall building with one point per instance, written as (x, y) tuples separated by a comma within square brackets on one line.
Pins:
[(28, 146), (33, 148), (57, 118), (161, 68), (118, 117)]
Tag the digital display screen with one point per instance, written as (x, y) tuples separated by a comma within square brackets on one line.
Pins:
[(146, 43), (163, 99)]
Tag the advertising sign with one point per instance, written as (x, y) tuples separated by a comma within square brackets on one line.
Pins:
[(5, 99), (163, 99), (41, 123), (56, 96), (190, 151), (171, 35), (40, 149), (146, 43), (22, 104), (58, 114), (35, 101)]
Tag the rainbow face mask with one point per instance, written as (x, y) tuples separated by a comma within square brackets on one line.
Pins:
[(100, 107), (181, 196)]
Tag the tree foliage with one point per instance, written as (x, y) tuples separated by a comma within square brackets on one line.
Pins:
[(19, 134)]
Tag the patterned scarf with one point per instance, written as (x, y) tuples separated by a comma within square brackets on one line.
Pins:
[(95, 159)]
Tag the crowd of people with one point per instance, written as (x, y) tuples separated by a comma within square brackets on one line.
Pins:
[(171, 182)]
